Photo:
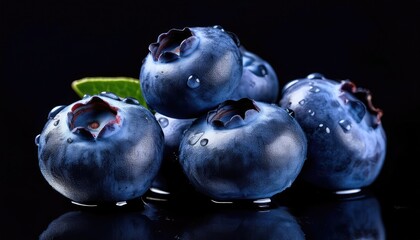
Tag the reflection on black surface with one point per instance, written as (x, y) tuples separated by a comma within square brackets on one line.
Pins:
[(312, 216), (356, 216), (275, 223), (100, 225)]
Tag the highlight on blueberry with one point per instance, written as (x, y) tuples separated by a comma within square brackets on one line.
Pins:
[(243, 150), (101, 149), (189, 71), (346, 139)]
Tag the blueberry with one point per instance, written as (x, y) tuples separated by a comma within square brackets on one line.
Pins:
[(243, 150), (346, 140), (170, 179), (190, 71), (100, 149), (259, 80)]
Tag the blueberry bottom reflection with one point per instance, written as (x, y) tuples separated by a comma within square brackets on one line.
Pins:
[(93, 225), (229, 224), (356, 216)]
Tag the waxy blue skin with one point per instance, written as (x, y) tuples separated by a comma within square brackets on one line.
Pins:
[(259, 80), (100, 149), (170, 178), (243, 150), (346, 140), (190, 71)]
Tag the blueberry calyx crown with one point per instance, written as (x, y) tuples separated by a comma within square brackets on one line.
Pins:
[(232, 114), (173, 44), (95, 118), (178, 43), (365, 96)]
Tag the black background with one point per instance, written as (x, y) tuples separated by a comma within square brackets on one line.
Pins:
[(45, 45)]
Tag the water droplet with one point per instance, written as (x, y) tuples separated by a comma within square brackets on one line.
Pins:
[(69, 140), (37, 139), (193, 81), (312, 113), (315, 76), (320, 125), (194, 139), (259, 70), (314, 89), (53, 113), (131, 100), (163, 122), (301, 102), (219, 27), (56, 122), (109, 95), (345, 125), (204, 142), (327, 130)]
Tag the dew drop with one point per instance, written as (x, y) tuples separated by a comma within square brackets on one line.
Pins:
[(301, 102), (259, 70), (53, 113), (312, 113), (315, 76), (204, 142), (314, 89), (37, 139), (163, 122), (219, 27), (193, 81), (131, 100), (320, 125), (69, 140), (327, 130), (109, 95), (56, 122), (345, 125), (194, 139)]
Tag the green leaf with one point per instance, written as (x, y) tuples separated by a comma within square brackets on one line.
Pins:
[(122, 86)]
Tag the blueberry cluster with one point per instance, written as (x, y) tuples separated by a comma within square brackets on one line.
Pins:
[(216, 122)]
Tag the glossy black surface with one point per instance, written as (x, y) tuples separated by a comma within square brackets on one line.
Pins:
[(45, 45)]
